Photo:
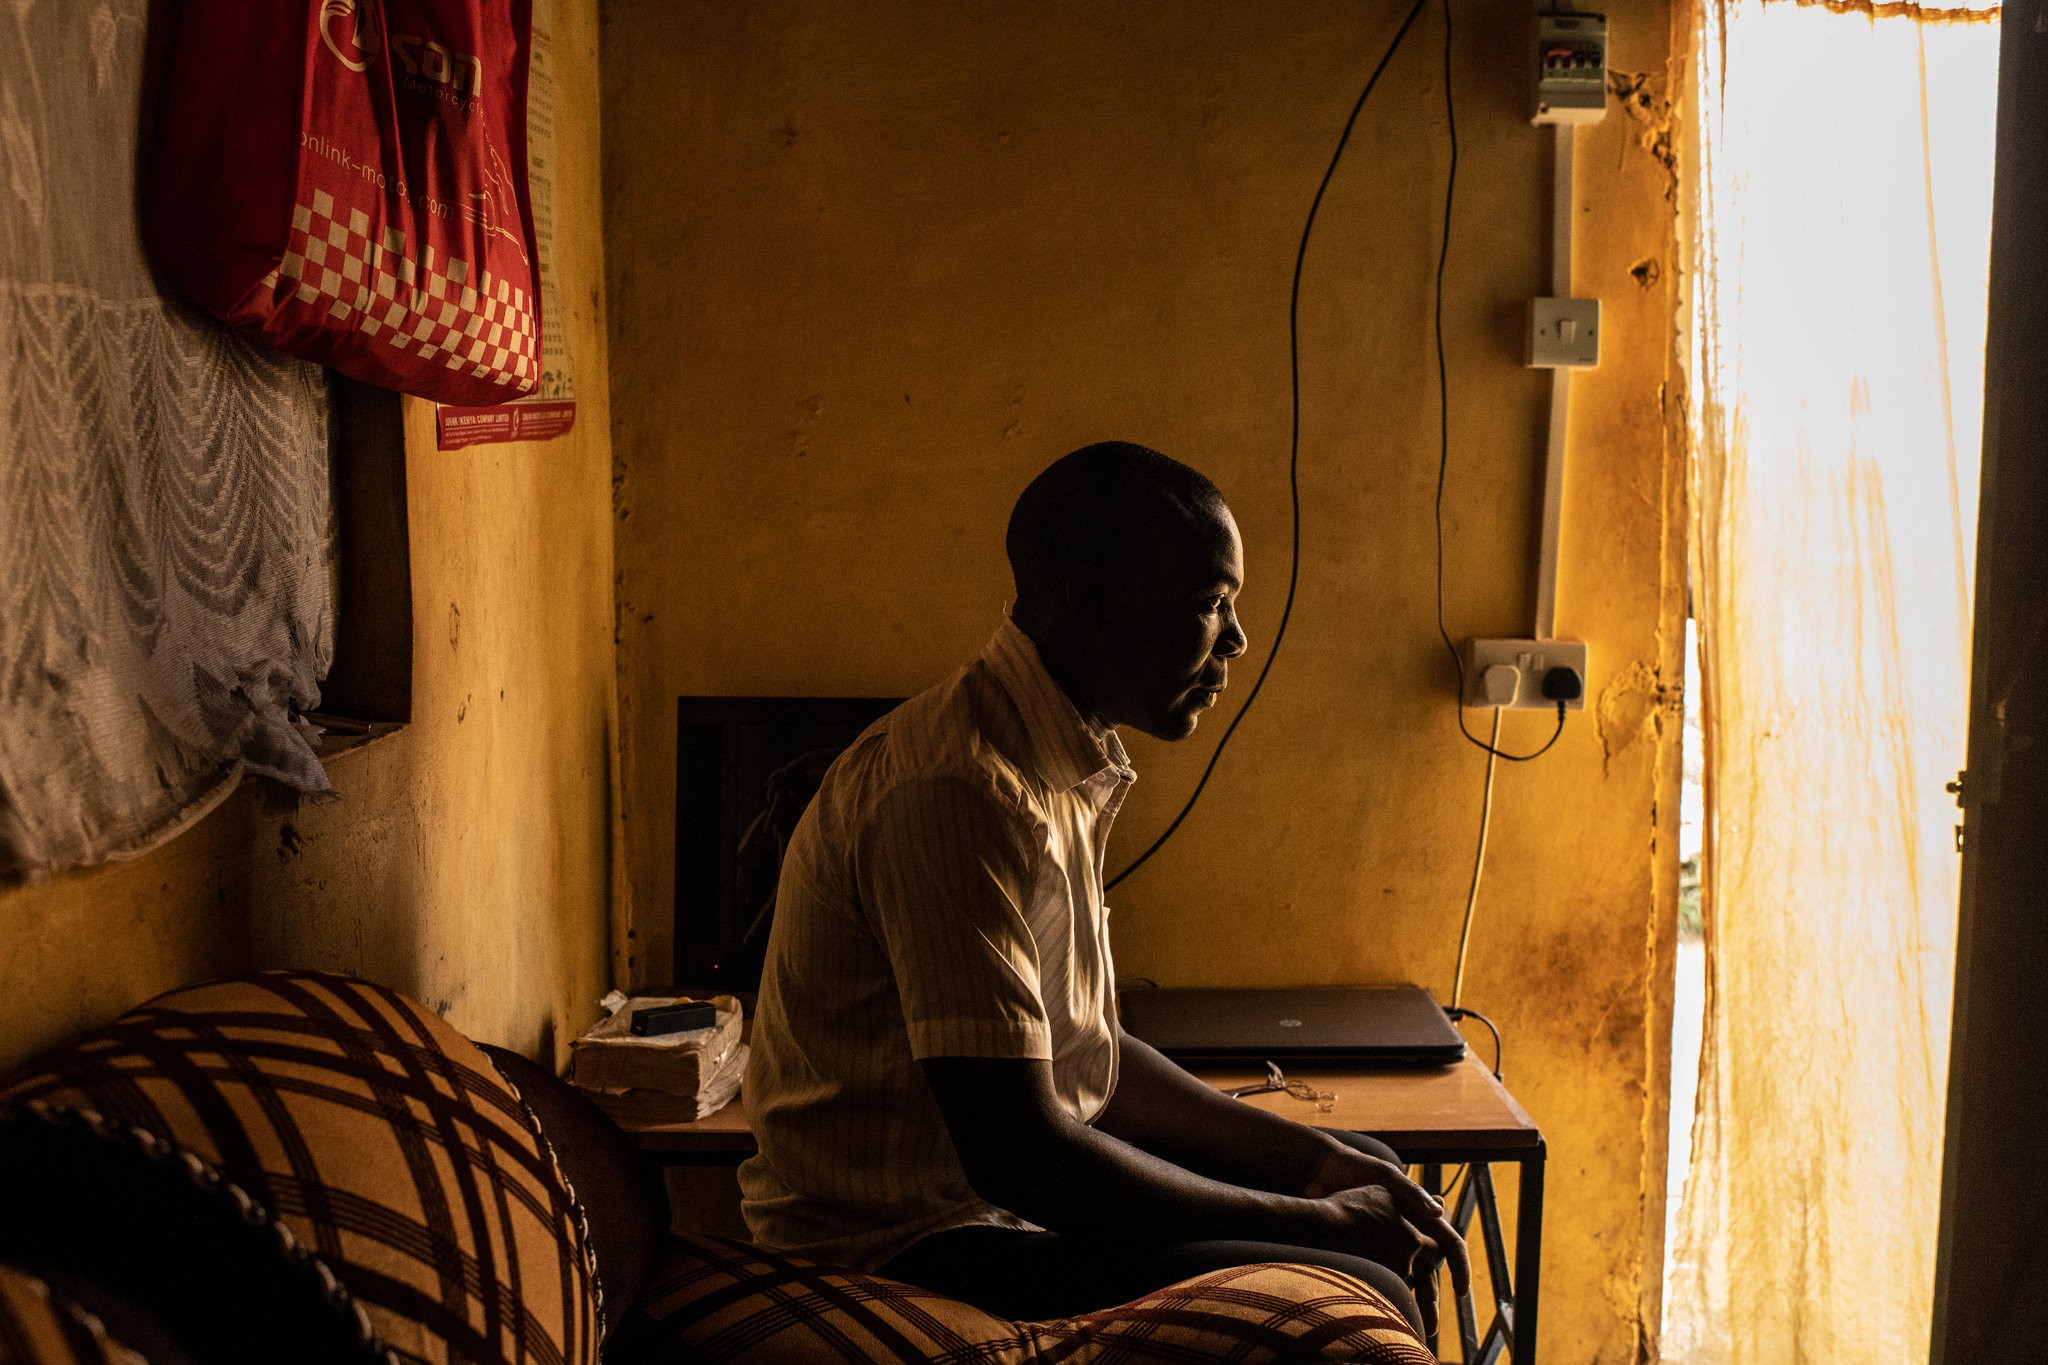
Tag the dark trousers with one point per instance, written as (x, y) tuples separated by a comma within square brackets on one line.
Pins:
[(1034, 1275)]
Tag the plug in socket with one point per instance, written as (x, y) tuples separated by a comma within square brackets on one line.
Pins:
[(1492, 665)]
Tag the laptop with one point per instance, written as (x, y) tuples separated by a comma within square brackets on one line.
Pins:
[(1364, 1026)]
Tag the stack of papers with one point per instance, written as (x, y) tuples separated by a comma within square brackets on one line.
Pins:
[(668, 1078)]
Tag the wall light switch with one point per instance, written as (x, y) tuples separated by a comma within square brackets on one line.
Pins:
[(1510, 673), (1563, 334)]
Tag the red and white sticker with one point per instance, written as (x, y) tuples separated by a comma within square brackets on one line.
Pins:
[(526, 420)]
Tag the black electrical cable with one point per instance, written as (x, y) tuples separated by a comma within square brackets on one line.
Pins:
[(1456, 1013), (1443, 408), (1293, 450)]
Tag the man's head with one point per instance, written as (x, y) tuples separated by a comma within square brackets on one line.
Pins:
[(1128, 566)]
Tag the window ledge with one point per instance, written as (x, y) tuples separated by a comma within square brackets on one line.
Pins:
[(342, 735)]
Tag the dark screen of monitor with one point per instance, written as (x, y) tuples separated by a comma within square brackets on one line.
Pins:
[(746, 769)]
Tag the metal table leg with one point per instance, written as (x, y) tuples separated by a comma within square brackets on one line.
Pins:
[(1512, 1332), (1528, 1255)]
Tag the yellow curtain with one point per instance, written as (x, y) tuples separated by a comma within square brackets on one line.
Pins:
[(1840, 216)]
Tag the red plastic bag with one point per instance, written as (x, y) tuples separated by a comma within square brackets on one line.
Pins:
[(345, 180)]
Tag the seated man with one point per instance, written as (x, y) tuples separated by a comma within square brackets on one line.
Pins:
[(938, 1082)]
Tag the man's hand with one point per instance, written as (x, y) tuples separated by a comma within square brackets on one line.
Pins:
[(1403, 1226)]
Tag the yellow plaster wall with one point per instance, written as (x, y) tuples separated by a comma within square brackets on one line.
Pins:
[(871, 267), (467, 860)]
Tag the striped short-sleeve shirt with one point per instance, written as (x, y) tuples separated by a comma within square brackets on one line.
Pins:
[(942, 897)]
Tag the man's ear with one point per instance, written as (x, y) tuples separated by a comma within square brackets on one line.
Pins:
[(1086, 592)]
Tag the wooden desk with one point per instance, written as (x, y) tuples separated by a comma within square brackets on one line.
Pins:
[(1457, 1113), (722, 1139), (1437, 1118), (1433, 1118)]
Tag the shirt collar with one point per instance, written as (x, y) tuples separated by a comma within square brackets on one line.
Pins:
[(1065, 748)]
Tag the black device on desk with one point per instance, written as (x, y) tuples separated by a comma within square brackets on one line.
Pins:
[(660, 1020), (1353, 1026)]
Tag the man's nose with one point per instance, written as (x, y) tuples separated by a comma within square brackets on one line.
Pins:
[(1232, 642)]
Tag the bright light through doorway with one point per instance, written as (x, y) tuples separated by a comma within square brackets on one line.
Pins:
[(1689, 990), (1837, 189)]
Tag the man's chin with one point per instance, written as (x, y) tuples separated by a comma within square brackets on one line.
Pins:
[(1174, 726)]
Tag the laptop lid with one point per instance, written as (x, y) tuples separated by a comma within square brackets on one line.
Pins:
[(1391, 1026)]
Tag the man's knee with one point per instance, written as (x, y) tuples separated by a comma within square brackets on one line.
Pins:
[(1371, 1146), (1190, 1259)]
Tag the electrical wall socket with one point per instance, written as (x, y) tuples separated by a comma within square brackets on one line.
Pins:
[(1509, 673)]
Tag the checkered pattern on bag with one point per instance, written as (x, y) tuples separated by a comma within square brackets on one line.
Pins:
[(39, 1327), (422, 304), (382, 1138), (726, 1303)]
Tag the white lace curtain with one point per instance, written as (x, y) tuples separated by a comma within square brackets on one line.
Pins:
[(165, 591), (1842, 230)]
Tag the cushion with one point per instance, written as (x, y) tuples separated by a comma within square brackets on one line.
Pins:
[(717, 1301), (620, 1190), (373, 1150), (38, 1327), (148, 1236)]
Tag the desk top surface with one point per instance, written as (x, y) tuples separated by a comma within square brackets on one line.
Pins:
[(1450, 1113)]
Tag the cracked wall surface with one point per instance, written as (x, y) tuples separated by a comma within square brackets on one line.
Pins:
[(872, 267)]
